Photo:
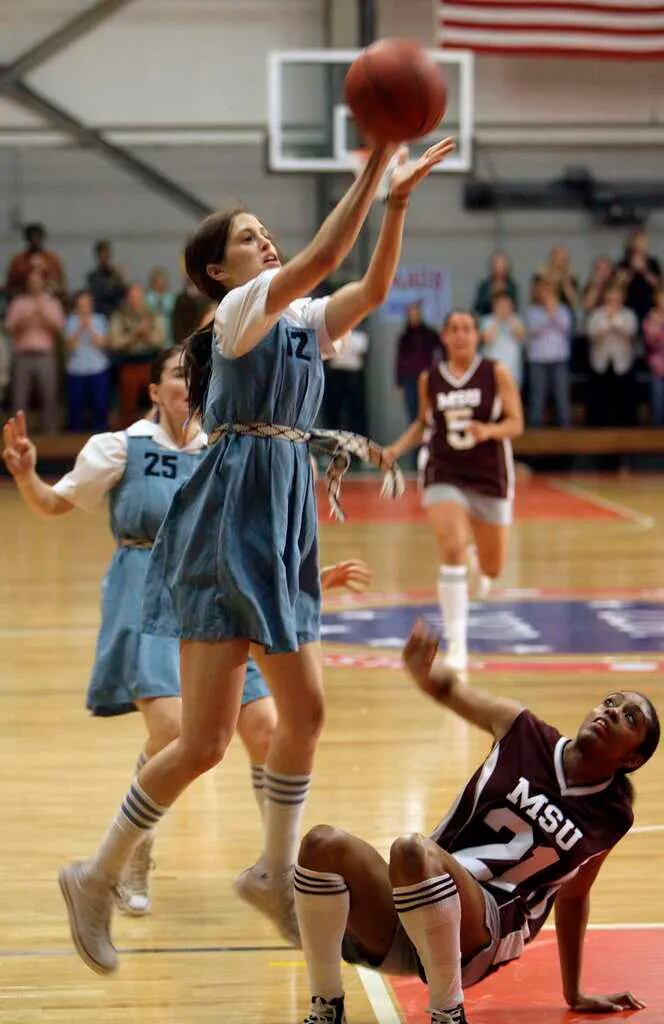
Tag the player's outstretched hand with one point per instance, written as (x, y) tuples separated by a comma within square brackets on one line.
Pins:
[(409, 173), (608, 1004), (19, 453), (352, 574), (418, 657)]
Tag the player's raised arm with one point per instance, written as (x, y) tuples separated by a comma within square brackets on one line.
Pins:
[(20, 458), (572, 911), (333, 240), (350, 304), (493, 714)]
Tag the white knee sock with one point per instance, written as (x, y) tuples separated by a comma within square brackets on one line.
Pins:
[(284, 797), (453, 599), (322, 903), (138, 814), (430, 912), (258, 786)]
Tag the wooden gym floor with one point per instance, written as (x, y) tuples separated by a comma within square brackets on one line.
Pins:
[(577, 615)]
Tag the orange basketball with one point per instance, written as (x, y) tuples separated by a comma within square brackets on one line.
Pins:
[(395, 91)]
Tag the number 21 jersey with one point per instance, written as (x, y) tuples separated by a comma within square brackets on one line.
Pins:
[(522, 831)]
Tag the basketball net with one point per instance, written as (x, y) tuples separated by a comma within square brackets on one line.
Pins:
[(358, 159)]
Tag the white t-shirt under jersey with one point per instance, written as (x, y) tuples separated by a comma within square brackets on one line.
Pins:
[(102, 460), (241, 320)]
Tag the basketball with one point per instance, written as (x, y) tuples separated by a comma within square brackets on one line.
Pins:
[(396, 91)]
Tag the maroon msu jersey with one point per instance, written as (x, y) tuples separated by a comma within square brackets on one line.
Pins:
[(452, 455), (522, 831)]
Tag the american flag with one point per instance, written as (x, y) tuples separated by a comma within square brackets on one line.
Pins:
[(613, 29)]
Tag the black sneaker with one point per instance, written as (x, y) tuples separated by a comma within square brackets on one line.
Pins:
[(326, 1011), (455, 1016)]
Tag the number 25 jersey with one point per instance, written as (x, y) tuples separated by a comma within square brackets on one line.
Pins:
[(522, 831), (452, 455)]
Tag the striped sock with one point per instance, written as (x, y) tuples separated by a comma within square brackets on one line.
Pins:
[(257, 784), (284, 805), (430, 913), (453, 599), (138, 814), (322, 903)]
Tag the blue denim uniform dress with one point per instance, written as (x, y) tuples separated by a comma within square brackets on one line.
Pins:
[(237, 554), (129, 664)]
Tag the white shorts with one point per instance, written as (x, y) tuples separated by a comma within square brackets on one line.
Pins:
[(481, 506), (402, 958)]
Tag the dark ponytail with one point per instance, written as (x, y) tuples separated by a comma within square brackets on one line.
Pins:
[(197, 363), (207, 245)]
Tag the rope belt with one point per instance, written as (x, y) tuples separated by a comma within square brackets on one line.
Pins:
[(143, 544), (339, 445)]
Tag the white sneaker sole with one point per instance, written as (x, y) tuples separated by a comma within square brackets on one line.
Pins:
[(262, 903), (98, 968)]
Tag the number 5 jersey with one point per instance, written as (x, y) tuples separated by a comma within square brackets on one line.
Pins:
[(522, 831), (452, 456)]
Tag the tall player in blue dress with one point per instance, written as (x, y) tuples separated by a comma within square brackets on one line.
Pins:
[(139, 470), (531, 829), (236, 560), (469, 410)]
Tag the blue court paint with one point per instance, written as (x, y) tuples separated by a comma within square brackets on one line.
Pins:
[(516, 627)]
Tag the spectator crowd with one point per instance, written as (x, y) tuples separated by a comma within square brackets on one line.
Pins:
[(92, 346), (607, 334)]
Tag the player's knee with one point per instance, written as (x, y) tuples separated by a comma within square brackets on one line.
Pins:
[(453, 550), (168, 729), (322, 848), (408, 859), (307, 723), (207, 753)]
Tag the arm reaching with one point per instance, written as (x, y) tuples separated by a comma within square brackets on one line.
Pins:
[(20, 458), (572, 910), (413, 435), (492, 714), (354, 301), (333, 240)]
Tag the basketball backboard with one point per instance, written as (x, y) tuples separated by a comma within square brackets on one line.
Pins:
[(310, 128)]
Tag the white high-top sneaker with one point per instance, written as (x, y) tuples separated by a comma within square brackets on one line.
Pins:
[(89, 899), (273, 895), (132, 895)]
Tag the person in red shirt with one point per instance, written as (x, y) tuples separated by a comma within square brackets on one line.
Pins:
[(34, 321), (36, 257)]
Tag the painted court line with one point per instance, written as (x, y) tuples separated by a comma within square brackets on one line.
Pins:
[(643, 521), (378, 996)]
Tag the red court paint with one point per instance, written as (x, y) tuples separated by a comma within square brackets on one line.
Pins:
[(528, 991), (577, 666), (535, 499)]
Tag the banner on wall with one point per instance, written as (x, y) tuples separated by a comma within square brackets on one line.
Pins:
[(428, 285)]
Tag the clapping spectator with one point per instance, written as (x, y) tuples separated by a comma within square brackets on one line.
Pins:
[(417, 348), (499, 280), (34, 322), (105, 281), (87, 365), (36, 257), (641, 274), (612, 333), (559, 272), (549, 336), (653, 332), (136, 335), (503, 334), (161, 300), (600, 276)]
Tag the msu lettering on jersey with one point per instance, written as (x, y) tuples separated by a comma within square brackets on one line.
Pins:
[(522, 831), (452, 456)]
